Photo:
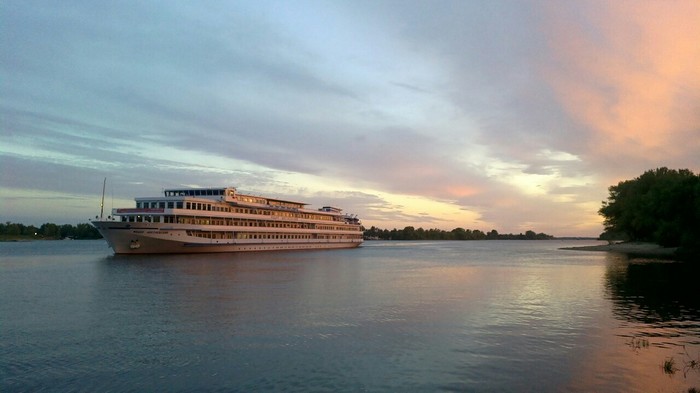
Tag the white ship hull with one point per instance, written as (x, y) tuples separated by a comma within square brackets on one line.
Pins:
[(125, 238)]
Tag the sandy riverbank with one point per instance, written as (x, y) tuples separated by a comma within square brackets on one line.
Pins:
[(637, 248)]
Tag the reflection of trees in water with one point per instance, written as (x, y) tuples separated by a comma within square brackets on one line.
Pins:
[(654, 291), (658, 303)]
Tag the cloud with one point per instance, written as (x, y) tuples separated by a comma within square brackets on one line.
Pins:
[(502, 114), (626, 74)]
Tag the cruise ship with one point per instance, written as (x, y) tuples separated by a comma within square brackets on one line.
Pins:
[(206, 220)]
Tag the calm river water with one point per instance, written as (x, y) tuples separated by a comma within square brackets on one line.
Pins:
[(390, 316)]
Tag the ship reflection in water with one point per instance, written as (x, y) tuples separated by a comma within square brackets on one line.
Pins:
[(389, 316)]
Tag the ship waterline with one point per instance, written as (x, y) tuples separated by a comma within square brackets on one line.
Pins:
[(205, 220)]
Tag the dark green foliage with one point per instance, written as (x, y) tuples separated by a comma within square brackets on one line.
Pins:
[(660, 206), (410, 233), (11, 230)]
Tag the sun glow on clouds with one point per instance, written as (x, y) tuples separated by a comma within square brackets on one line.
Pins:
[(626, 80), (434, 213), (395, 209), (540, 182)]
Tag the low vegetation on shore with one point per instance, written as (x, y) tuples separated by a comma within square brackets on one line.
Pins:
[(11, 231), (411, 233)]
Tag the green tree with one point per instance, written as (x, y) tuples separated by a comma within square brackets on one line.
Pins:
[(459, 234), (67, 230), (408, 233), (86, 231), (478, 235), (13, 229), (661, 205), (49, 230), (29, 230)]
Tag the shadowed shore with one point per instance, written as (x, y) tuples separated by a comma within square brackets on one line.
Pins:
[(635, 248)]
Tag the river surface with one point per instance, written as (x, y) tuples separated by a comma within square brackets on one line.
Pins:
[(520, 316)]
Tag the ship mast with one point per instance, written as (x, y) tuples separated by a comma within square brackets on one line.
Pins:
[(102, 203)]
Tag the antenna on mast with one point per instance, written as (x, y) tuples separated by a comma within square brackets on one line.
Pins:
[(102, 203)]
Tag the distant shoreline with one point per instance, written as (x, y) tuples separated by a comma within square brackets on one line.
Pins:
[(38, 239), (636, 248)]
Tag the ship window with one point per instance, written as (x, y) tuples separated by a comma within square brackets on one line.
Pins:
[(178, 205), (189, 205), (161, 205), (171, 205)]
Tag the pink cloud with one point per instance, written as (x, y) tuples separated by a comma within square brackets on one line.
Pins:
[(625, 70)]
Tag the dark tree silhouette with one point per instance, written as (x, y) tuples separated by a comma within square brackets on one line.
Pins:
[(661, 206)]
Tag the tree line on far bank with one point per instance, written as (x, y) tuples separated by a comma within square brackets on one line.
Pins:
[(411, 233), (47, 231), (661, 206)]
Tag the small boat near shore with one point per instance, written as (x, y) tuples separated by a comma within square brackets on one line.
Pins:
[(205, 220)]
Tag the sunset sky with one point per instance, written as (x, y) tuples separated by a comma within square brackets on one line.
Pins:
[(506, 115)]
